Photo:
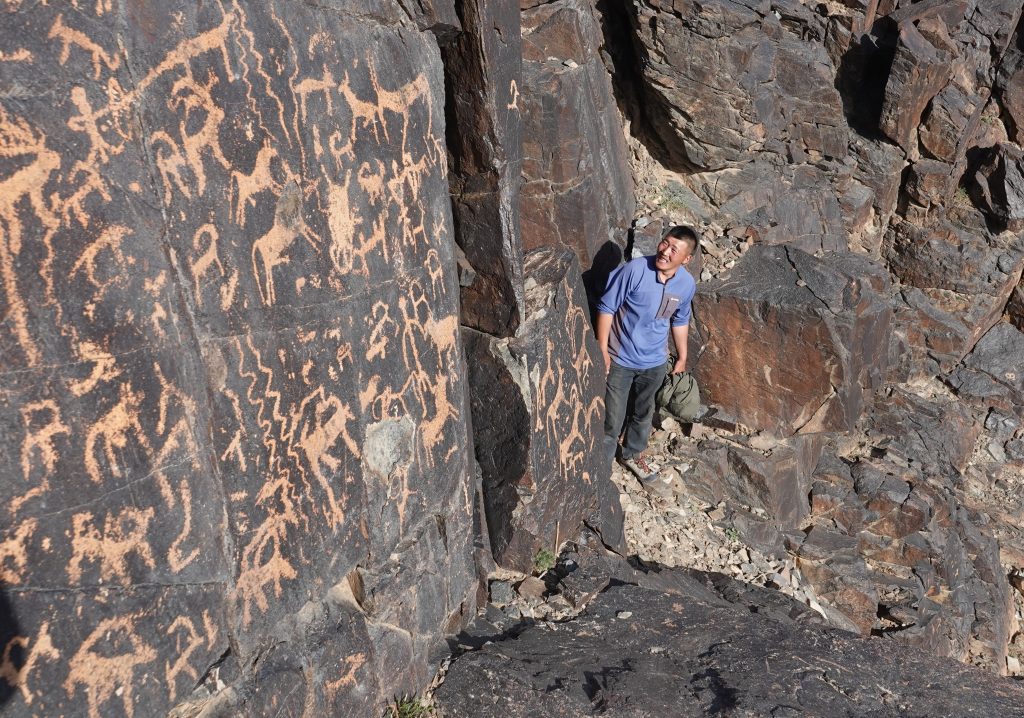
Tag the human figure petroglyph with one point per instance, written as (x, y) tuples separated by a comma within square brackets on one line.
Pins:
[(103, 673), (69, 36), (123, 535), (25, 148), (32, 651), (42, 422), (187, 641)]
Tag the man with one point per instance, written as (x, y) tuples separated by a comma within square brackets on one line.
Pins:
[(646, 300)]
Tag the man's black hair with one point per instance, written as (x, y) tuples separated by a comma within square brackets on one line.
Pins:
[(685, 233)]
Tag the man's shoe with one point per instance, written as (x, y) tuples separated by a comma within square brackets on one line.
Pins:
[(641, 467)]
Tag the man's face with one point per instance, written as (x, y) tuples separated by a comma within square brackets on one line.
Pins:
[(672, 254)]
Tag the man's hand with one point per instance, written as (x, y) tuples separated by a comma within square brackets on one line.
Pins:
[(679, 367), (607, 360)]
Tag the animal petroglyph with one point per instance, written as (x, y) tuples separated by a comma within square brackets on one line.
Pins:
[(270, 249), (32, 652), (14, 552), (123, 535), (105, 664)]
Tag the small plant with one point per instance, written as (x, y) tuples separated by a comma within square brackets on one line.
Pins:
[(961, 197), (409, 707), (543, 561), (732, 534)]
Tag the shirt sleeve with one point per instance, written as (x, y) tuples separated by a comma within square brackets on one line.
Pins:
[(618, 287), (681, 318)]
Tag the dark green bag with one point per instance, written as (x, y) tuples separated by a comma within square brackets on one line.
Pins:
[(678, 395)]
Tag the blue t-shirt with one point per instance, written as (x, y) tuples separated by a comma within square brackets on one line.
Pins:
[(642, 309)]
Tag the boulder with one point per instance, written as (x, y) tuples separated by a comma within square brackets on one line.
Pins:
[(831, 564), (959, 278), (725, 79), (577, 187), (998, 186), (682, 651), (795, 344), (777, 481), (798, 205), (1015, 307), (991, 373), (924, 556), (538, 417), (878, 169), (483, 73), (937, 435), (919, 70)]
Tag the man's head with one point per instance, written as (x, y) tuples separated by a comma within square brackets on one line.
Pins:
[(675, 249)]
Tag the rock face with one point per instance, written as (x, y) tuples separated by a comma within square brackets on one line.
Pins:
[(726, 83), (680, 648), (577, 189), (538, 413), (957, 278), (922, 565), (794, 344), (232, 381), (483, 76)]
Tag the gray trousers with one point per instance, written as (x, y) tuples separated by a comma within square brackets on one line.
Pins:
[(645, 384)]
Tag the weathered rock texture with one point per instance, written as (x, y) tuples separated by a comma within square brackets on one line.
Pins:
[(795, 344), (483, 76), (577, 189), (232, 388), (538, 413), (685, 644)]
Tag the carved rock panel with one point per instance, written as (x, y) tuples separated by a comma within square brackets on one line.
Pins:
[(230, 364)]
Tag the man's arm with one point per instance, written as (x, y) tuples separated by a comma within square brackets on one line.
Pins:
[(680, 335), (604, 330)]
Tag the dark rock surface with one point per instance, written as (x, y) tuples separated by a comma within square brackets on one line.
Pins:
[(685, 650), (577, 186), (231, 378), (794, 343), (483, 74), (537, 404)]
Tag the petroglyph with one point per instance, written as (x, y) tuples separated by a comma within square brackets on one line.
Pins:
[(105, 664), (42, 424), (69, 37), (288, 226), (122, 535), (348, 679), (208, 193), (31, 652), (323, 420), (14, 553), (111, 432), (187, 641), (24, 146)]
